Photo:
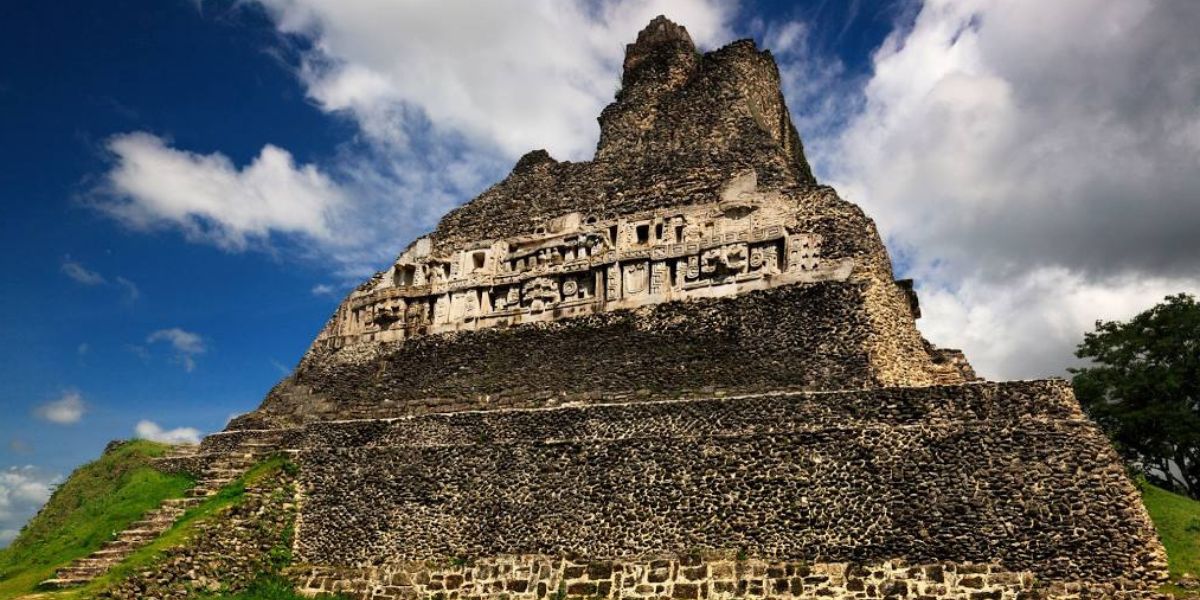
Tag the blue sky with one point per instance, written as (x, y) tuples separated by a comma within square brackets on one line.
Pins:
[(189, 187), (73, 74)]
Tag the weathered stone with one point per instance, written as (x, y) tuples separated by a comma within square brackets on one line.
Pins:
[(681, 369)]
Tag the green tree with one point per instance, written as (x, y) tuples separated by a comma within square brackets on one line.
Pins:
[(1143, 388)]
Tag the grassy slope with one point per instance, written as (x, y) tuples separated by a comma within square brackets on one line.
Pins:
[(231, 494), (1177, 519), (271, 587), (100, 498)]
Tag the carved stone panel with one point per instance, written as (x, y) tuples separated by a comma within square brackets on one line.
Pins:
[(704, 250), (636, 278), (804, 252), (614, 282)]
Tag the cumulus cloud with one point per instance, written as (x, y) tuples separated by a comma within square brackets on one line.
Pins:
[(513, 74), (68, 409), (152, 185), (323, 289), (351, 217), (23, 490), (1033, 165), (149, 430), (185, 344)]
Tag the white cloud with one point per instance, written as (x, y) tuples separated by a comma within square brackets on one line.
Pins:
[(322, 289), (1028, 325), (131, 290), (80, 273), (186, 344), (149, 430), (23, 490), (1034, 165), (66, 410), (210, 199), (513, 74)]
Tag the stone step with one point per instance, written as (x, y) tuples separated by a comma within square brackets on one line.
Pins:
[(181, 503), (159, 523), (228, 468), (258, 444), (64, 582), (82, 572), (138, 535), (103, 563), (239, 463), (206, 489), (228, 473)]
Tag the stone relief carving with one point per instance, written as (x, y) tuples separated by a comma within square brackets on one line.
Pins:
[(745, 241)]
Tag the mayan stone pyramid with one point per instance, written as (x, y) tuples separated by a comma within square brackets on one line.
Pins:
[(682, 369)]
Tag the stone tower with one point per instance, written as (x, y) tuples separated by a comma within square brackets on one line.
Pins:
[(681, 369)]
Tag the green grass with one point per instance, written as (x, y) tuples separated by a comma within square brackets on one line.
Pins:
[(1177, 519), (82, 499), (99, 499), (184, 527)]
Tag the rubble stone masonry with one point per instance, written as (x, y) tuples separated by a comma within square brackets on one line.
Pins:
[(1009, 474)]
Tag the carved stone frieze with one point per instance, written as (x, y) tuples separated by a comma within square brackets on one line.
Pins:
[(577, 264)]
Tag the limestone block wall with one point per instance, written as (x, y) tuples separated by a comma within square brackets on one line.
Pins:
[(1009, 474), (694, 577)]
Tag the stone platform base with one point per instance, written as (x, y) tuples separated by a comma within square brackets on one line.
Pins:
[(947, 478)]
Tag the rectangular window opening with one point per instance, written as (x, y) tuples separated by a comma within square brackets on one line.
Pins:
[(404, 276)]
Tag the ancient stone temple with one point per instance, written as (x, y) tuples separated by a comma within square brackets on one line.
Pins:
[(682, 369)]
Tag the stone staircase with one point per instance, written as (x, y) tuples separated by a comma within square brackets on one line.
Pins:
[(221, 470)]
